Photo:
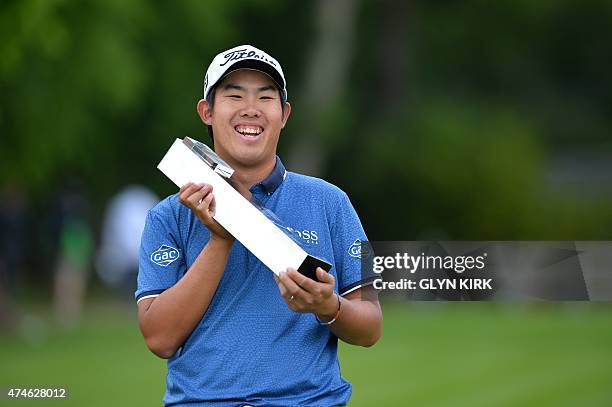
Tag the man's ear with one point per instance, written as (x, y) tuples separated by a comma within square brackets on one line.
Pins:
[(286, 113), (204, 112)]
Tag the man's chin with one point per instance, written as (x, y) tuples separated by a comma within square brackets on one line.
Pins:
[(248, 160)]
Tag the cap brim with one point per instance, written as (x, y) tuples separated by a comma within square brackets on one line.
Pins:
[(257, 66)]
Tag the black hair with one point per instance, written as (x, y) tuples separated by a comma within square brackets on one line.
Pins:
[(210, 99)]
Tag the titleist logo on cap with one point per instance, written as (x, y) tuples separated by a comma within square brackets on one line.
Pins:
[(243, 57), (243, 53)]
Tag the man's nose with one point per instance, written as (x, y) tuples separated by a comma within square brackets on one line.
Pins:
[(250, 110)]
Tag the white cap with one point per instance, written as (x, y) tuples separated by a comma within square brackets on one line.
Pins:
[(243, 57)]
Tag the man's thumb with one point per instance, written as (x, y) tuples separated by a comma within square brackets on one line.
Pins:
[(324, 276)]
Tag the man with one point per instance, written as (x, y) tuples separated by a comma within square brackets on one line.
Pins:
[(234, 333)]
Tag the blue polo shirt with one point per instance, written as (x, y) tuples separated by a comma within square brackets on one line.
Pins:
[(249, 347)]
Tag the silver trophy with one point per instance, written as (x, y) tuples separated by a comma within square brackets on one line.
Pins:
[(253, 225)]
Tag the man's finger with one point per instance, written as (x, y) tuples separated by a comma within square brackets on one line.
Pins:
[(212, 207), (197, 197), (193, 194), (184, 187), (281, 286), (187, 190), (292, 287), (324, 276), (205, 203), (303, 281)]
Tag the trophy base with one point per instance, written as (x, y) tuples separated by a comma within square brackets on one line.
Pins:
[(309, 267)]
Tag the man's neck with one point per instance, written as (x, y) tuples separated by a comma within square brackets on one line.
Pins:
[(248, 176)]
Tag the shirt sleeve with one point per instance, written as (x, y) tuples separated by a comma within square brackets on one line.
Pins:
[(348, 237), (161, 259)]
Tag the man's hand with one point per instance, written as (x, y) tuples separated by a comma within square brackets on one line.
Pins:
[(200, 199), (303, 294)]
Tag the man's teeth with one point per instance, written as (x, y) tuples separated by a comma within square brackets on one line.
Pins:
[(249, 131)]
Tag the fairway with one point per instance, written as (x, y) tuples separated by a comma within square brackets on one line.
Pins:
[(431, 354)]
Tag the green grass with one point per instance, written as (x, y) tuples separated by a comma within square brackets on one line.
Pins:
[(470, 354), (102, 363), (455, 354)]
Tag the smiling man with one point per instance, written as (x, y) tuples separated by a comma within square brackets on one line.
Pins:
[(234, 333)]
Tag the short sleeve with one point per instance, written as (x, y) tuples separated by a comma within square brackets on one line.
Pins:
[(161, 259), (347, 236)]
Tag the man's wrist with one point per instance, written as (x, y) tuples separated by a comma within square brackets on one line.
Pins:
[(330, 309), (221, 242)]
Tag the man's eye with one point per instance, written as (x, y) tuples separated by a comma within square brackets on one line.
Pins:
[(234, 96), (266, 98)]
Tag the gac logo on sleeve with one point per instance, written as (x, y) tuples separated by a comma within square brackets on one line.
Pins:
[(164, 255), (359, 249)]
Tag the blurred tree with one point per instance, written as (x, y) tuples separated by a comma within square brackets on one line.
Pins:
[(448, 110), (97, 87), (326, 76)]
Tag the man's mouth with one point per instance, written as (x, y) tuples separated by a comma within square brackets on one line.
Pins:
[(249, 131)]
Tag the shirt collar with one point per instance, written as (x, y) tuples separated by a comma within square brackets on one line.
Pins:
[(272, 181)]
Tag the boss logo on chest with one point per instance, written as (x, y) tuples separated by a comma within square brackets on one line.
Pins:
[(308, 236)]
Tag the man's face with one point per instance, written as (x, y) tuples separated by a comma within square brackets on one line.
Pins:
[(246, 118)]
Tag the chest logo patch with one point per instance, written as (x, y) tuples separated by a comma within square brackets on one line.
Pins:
[(306, 236), (164, 255)]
